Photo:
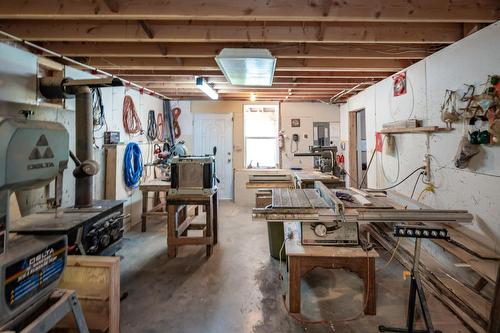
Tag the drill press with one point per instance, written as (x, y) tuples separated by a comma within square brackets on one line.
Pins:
[(32, 154)]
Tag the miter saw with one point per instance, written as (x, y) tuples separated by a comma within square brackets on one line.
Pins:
[(32, 154)]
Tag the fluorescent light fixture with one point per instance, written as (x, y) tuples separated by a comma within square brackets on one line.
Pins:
[(253, 97), (202, 84), (247, 67)]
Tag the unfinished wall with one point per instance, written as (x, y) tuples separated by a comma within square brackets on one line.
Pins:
[(18, 91), (476, 188)]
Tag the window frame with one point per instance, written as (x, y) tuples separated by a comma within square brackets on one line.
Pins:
[(276, 108)]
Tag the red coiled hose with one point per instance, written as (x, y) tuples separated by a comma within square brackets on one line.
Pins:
[(176, 112), (131, 122)]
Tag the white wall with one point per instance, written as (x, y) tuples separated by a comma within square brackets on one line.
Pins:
[(18, 91), (307, 113), (476, 188)]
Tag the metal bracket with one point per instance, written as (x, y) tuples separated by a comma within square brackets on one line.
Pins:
[(66, 301)]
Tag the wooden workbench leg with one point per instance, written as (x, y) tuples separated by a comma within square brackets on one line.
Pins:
[(144, 210), (209, 226), (294, 277), (156, 198), (171, 230), (370, 291), (164, 208), (215, 217)]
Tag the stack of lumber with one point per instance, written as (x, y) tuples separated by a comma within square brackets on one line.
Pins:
[(470, 301)]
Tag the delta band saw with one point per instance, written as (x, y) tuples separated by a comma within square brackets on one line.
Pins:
[(32, 154), (331, 216), (92, 227)]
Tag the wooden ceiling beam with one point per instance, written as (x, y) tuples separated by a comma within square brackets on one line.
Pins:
[(262, 10), (228, 87), (373, 65), (277, 82), (160, 74), (209, 50), (259, 91), (200, 32)]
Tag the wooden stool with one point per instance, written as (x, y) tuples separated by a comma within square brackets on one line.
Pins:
[(304, 258), (156, 186), (177, 229)]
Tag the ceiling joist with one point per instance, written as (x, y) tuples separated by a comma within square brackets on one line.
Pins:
[(312, 74), (375, 65), (322, 47), (258, 10), (209, 50), (201, 32)]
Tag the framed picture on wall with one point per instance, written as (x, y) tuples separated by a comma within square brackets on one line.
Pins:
[(296, 122)]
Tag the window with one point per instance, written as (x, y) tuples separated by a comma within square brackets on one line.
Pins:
[(261, 131)]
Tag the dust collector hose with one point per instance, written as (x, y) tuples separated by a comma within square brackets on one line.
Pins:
[(132, 165)]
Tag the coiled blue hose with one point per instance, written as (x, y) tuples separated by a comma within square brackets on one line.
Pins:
[(132, 165)]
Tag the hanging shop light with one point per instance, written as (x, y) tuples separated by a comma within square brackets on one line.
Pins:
[(203, 85)]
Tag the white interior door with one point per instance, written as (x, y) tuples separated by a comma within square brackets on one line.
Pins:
[(216, 130)]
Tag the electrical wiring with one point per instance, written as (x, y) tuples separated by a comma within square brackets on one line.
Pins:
[(392, 256), (416, 183), (391, 97), (399, 183), (132, 165), (347, 173), (131, 121), (152, 131), (99, 120), (429, 188), (382, 163)]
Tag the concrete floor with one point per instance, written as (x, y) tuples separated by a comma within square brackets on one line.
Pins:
[(238, 289)]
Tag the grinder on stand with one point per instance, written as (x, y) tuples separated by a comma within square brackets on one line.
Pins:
[(32, 154)]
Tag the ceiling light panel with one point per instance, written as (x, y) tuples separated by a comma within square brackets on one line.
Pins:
[(247, 67)]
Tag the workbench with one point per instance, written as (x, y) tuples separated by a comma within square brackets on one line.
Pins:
[(303, 258), (157, 186), (177, 229), (306, 179)]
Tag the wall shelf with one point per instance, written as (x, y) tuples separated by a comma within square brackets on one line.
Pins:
[(426, 129)]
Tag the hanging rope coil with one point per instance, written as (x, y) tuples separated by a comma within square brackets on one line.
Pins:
[(176, 113), (160, 127), (131, 121), (132, 165), (152, 131)]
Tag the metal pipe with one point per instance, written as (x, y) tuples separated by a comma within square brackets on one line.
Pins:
[(344, 92), (84, 127), (73, 61)]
